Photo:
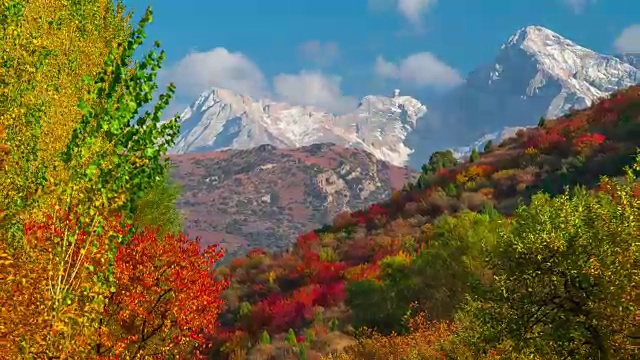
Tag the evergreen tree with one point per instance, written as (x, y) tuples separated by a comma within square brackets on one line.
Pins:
[(488, 146), (475, 156), (542, 122)]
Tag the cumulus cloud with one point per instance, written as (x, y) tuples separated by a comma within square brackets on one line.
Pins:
[(629, 40), (323, 54), (578, 5), (219, 67), (420, 70), (313, 88), (412, 10)]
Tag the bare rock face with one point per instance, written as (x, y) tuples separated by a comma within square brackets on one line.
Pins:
[(265, 196)]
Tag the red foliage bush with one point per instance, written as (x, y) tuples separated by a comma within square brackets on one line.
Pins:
[(331, 294), (588, 140), (545, 140), (162, 281), (376, 210), (573, 127), (306, 241), (327, 272)]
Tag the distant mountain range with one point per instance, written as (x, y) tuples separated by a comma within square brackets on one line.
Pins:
[(536, 73)]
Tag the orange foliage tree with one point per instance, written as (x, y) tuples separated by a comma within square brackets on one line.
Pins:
[(167, 297), (56, 285)]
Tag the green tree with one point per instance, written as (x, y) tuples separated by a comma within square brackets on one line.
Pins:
[(453, 265), (103, 168), (158, 208), (381, 305), (451, 190), (264, 338), (542, 122), (475, 155), (566, 280), (440, 160), (488, 146)]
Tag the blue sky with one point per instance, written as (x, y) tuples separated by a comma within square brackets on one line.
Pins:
[(324, 52)]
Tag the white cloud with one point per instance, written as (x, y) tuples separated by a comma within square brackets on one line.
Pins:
[(578, 5), (421, 69), (199, 71), (313, 88), (629, 40), (323, 54), (219, 67), (412, 10)]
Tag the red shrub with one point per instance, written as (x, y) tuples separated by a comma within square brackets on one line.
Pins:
[(331, 294), (545, 140), (575, 126), (327, 272), (166, 280), (442, 172), (306, 241), (376, 210), (588, 140)]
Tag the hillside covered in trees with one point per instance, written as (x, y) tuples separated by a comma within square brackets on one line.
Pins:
[(530, 250), (525, 251)]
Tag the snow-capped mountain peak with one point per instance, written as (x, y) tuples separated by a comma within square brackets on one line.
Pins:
[(536, 72), (539, 40), (580, 70), (221, 118)]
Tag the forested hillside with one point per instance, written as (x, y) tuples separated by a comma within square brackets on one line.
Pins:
[(529, 250), (490, 258)]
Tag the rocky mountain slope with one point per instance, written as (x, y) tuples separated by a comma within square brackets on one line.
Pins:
[(536, 73), (264, 197), (632, 59), (221, 119)]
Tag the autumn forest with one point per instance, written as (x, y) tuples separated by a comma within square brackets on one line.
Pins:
[(527, 250)]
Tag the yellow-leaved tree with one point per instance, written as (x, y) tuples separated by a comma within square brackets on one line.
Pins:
[(47, 47), (82, 160)]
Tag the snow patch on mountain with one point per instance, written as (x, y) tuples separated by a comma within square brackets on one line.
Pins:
[(496, 137), (632, 59)]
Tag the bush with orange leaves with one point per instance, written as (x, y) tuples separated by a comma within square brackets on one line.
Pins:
[(54, 287), (167, 297), (424, 341)]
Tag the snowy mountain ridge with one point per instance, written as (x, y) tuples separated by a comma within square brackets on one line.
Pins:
[(221, 119), (536, 73)]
